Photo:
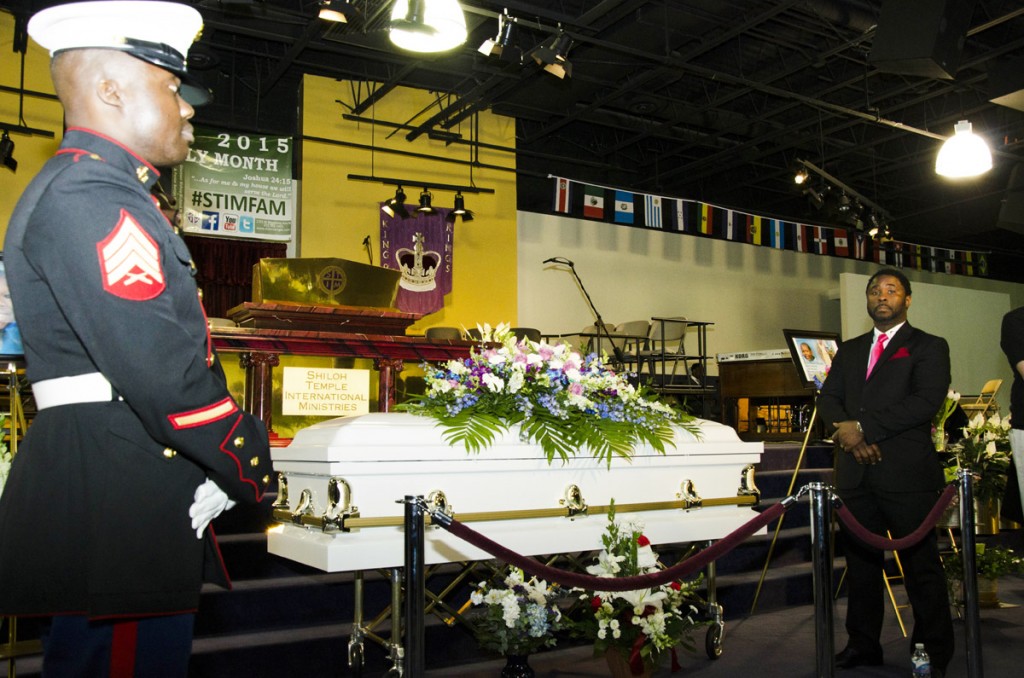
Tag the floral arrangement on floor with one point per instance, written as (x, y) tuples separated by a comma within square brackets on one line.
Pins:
[(949, 404), (991, 562), (562, 401), (518, 619), (985, 451), (644, 625)]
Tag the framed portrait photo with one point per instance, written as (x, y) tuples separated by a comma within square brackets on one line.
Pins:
[(812, 353)]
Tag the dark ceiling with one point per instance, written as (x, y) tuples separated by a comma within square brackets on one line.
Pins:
[(712, 100)]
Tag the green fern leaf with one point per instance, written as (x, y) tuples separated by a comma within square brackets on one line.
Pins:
[(474, 431)]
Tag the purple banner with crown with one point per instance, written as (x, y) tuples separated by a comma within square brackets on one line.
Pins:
[(420, 247)]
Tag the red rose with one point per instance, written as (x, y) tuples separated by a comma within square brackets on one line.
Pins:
[(595, 603), (676, 586), (643, 541)]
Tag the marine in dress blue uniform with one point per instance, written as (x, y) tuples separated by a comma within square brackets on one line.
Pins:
[(137, 444)]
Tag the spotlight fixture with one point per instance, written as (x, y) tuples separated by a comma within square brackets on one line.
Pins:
[(814, 197), (425, 198), (879, 230), (800, 176), (854, 220), (7, 152), (875, 223), (501, 45), (396, 205), (338, 11), (964, 154), (554, 56), (460, 210), (427, 25)]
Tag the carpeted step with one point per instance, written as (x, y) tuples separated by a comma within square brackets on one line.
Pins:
[(784, 457)]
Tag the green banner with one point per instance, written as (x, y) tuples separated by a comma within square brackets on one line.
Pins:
[(237, 185)]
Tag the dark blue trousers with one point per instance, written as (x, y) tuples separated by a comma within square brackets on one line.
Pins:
[(150, 647)]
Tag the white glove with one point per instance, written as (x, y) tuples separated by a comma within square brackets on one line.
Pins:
[(210, 502)]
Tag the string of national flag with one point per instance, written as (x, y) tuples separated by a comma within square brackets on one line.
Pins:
[(704, 219)]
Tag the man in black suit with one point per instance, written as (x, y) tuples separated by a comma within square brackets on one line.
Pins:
[(881, 401), (1012, 342)]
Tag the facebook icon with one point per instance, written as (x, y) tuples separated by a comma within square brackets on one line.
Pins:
[(211, 221)]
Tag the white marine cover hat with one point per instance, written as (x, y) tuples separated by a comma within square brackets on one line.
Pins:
[(157, 32)]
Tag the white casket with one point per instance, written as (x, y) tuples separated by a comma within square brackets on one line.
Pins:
[(343, 482)]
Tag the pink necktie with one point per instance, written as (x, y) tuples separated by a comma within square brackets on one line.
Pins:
[(876, 352)]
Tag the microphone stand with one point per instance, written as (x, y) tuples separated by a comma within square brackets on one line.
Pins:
[(601, 327)]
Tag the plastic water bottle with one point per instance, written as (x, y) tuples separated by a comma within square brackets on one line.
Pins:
[(921, 661)]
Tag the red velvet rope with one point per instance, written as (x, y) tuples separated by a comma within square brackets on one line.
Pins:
[(884, 544), (643, 581)]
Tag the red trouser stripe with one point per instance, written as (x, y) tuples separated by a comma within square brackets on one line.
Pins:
[(122, 649)]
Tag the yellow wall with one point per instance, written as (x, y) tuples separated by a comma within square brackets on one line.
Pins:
[(40, 113), (337, 214)]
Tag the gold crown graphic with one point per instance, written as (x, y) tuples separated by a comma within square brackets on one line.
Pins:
[(418, 266)]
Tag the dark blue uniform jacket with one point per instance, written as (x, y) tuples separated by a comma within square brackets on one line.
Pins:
[(94, 518)]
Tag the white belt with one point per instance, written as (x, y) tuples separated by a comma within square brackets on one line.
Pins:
[(83, 388)]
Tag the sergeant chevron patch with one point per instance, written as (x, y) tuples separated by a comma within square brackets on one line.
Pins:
[(130, 262)]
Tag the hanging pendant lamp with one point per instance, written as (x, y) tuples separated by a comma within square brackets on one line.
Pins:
[(427, 25), (964, 154)]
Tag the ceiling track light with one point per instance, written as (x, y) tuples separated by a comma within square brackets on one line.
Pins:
[(501, 45), (338, 11), (839, 201), (553, 56), (963, 155), (881, 232), (459, 210), (800, 177), (395, 181), (425, 207), (7, 152), (396, 205), (427, 25), (814, 197)]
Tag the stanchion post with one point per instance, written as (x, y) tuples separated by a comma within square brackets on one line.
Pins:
[(414, 587), (972, 624), (821, 560)]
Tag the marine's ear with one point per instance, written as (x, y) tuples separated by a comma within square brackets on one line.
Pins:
[(108, 90)]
